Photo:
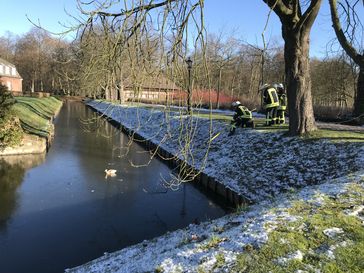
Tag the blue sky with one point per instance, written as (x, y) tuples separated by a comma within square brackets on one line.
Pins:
[(48, 12), (246, 17)]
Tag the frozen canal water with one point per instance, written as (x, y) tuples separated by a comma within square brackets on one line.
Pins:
[(58, 211)]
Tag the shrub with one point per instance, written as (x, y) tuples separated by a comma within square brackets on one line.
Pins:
[(6, 101), (10, 129)]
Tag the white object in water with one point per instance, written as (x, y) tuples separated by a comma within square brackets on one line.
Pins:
[(110, 172)]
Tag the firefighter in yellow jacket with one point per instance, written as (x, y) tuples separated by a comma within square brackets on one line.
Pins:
[(282, 98), (270, 103), (243, 117)]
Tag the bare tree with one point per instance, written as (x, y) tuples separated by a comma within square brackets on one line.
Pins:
[(296, 27), (65, 71), (118, 46), (7, 46), (34, 57), (220, 54), (333, 82), (350, 42)]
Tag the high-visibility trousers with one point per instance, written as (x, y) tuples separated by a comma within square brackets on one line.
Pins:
[(281, 116), (271, 116)]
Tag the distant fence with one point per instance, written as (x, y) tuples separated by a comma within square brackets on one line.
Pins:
[(17, 93)]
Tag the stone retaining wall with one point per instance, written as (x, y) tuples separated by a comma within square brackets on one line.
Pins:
[(30, 144)]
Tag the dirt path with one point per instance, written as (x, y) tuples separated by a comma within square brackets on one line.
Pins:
[(340, 127)]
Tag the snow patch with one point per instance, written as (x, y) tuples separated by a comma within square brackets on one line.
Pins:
[(333, 232), (297, 255)]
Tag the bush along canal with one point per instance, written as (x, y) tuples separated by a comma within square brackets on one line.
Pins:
[(28, 125), (60, 211)]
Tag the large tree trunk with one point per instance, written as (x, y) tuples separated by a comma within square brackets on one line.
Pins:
[(121, 87), (296, 27), (298, 81), (32, 86), (359, 98), (106, 92), (121, 93), (354, 54)]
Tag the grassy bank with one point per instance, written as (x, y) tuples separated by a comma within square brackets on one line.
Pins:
[(326, 236), (35, 114)]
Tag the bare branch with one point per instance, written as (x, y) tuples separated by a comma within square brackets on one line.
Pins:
[(349, 49)]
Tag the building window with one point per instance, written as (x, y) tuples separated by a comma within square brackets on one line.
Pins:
[(7, 70), (13, 71), (9, 86), (1, 69)]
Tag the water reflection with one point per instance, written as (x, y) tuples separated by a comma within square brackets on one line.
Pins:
[(12, 170)]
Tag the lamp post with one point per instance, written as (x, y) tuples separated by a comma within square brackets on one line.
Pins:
[(189, 67)]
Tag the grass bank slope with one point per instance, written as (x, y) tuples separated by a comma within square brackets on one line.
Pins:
[(35, 114), (35, 117)]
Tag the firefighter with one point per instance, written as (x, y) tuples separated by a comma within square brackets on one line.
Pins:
[(282, 97), (243, 117), (270, 103)]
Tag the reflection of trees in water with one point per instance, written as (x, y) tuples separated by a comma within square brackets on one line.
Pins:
[(24, 161), (12, 170), (100, 145), (10, 178)]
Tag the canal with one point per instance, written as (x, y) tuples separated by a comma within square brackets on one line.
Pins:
[(58, 210)]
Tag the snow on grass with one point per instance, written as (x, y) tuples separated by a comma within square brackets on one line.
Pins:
[(333, 232), (260, 165)]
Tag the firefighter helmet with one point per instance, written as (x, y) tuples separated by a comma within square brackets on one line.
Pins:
[(235, 103), (263, 86)]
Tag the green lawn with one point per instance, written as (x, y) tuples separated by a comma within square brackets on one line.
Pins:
[(45, 107), (214, 116), (335, 135)]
